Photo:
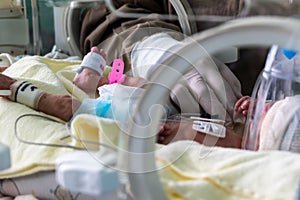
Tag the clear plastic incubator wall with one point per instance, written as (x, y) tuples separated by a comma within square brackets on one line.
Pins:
[(277, 89), (129, 164)]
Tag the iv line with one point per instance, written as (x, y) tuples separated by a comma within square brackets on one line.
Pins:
[(55, 145)]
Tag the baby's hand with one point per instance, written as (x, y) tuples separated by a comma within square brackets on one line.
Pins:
[(2, 69), (5, 82), (88, 79), (99, 51), (174, 131), (242, 105)]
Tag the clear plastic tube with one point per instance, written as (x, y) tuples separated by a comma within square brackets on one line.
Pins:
[(35, 27), (278, 84)]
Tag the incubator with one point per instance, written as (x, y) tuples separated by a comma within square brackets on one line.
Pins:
[(135, 165), (261, 31)]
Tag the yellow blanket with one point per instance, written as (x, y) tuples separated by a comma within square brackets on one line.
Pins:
[(192, 171), (53, 77), (188, 170)]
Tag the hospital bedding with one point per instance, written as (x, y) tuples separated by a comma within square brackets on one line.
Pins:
[(187, 170)]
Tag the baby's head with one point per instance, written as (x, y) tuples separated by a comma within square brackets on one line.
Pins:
[(279, 127)]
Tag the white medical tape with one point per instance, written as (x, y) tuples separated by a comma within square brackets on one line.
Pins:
[(93, 61), (5, 92), (25, 93), (218, 121), (210, 128)]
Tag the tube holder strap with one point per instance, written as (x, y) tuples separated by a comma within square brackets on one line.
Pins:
[(25, 93)]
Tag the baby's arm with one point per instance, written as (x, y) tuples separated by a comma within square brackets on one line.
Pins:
[(58, 105), (88, 79), (174, 131)]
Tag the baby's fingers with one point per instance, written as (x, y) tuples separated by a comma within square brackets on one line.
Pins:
[(242, 102)]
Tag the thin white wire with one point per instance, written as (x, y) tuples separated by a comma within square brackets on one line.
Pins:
[(51, 144)]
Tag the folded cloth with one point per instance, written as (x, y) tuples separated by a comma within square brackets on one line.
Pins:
[(86, 127), (209, 87), (6, 60), (116, 102)]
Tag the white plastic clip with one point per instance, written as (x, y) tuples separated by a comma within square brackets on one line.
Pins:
[(5, 92), (85, 172), (210, 128)]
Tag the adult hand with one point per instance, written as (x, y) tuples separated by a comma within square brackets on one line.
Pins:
[(6, 82)]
